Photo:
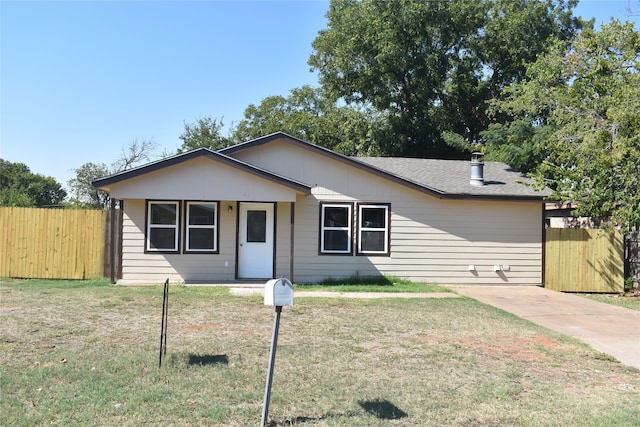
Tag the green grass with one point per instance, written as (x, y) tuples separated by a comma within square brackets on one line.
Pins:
[(54, 283), (371, 284), (630, 302), (86, 354)]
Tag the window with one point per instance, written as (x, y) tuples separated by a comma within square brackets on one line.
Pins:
[(256, 226), (162, 226), (201, 225), (335, 229), (373, 229)]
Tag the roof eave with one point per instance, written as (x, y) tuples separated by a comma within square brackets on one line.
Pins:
[(496, 197)]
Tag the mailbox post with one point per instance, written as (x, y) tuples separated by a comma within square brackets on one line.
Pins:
[(277, 293)]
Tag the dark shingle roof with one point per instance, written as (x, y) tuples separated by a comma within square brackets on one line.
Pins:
[(439, 178), (451, 177)]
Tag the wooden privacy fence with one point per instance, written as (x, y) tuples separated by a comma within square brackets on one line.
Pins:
[(632, 256), (52, 243), (581, 260)]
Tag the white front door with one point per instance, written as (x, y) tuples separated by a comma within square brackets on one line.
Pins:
[(255, 240)]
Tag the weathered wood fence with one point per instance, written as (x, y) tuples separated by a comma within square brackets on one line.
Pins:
[(113, 241), (632, 256), (52, 243), (584, 260)]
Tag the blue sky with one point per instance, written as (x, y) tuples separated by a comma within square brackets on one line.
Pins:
[(80, 80)]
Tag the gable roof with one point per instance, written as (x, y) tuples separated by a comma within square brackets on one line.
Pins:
[(451, 177), (106, 182), (440, 178), (446, 179)]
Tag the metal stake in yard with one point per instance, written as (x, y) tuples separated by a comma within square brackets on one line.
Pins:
[(277, 292), (272, 362), (163, 327)]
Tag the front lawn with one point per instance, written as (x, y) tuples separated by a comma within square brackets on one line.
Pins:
[(86, 354), (626, 301), (371, 284)]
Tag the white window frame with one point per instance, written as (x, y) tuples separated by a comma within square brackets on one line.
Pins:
[(175, 227), (348, 228), (384, 229), (190, 227)]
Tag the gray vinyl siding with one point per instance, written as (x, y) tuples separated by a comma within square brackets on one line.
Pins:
[(432, 240), (150, 268), (458, 234), (283, 239), (201, 179)]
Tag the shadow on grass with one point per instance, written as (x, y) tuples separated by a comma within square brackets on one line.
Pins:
[(383, 409), (208, 359)]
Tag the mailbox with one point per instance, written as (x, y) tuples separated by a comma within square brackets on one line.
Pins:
[(278, 292)]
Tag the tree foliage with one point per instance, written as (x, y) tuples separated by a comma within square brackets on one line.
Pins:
[(307, 114), (85, 195), (83, 192), (585, 99), (20, 187), (206, 132), (431, 66)]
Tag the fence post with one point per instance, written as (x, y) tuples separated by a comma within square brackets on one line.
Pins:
[(632, 255), (112, 239), (163, 327)]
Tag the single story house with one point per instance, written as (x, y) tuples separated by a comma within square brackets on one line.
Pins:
[(278, 206)]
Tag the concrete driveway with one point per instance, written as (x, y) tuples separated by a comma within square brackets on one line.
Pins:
[(607, 328)]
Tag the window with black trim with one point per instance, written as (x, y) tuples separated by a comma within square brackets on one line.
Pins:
[(201, 227), (373, 229), (335, 228), (163, 219)]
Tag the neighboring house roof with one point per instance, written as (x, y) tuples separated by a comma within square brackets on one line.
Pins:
[(439, 178), (104, 183)]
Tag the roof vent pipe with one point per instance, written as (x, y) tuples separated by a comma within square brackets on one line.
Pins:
[(477, 169)]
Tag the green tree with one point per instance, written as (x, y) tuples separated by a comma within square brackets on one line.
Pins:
[(431, 66), (84, 193), (307, 114), (206, 132), (20, 187), (519, 142), (585, 98)]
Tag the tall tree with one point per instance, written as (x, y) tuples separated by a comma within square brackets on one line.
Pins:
[(206, 132), (306, 113), (21, 187), (83, 192), (586, 99), (431, 66), (138, 151), (85, 195)]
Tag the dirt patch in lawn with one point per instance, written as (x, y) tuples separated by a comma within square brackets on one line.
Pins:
[(536, 348)]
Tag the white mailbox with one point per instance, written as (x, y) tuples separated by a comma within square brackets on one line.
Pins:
[(278, 292)]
